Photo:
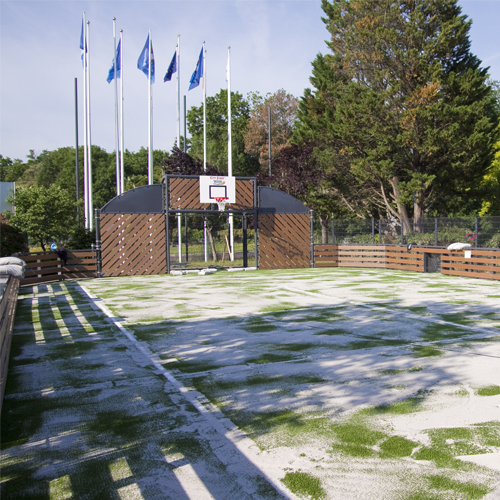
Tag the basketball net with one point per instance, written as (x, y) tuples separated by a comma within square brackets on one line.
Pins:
[(221, 203)]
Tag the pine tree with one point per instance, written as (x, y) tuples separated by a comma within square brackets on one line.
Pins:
[(402, 105)]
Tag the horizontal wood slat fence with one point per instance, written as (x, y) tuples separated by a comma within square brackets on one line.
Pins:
[(483, 264), (42, 267), (8, 300)]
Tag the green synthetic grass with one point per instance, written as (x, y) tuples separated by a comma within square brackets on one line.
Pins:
[(304, 484), (403, 407), (397, 447), (270, 357), (491, 390), (185, 366), (426, 351), (334, 331)]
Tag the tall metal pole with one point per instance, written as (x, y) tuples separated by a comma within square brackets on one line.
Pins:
[(178, 55), (89, 137), (117, 132), (185, 125), (85, 130), (269, 135), (77, 174), (150, 117), (122, 149)]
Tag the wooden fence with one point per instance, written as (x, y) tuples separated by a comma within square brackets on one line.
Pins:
[(42, 267), (471, 263), (8, 298)]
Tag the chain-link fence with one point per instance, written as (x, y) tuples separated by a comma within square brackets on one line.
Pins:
[(480, 232)]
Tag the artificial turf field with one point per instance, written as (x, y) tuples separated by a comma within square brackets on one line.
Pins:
[(311, 383)]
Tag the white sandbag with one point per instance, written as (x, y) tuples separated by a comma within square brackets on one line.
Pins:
[(6, 261), (459, 246), (203, 272), (12, 270)]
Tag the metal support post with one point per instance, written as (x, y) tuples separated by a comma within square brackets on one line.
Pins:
[(186, 229), (311, 215), (476, 231), (402, 232), (435, 231), (98, 242), (373, 231), (245, 256), (333, 233), (380, 231)]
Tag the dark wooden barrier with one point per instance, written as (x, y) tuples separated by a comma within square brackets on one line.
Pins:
[(483, 264), (9, 287), (42, 267)]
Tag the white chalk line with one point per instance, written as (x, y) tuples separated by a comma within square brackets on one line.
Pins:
[(221, 424)]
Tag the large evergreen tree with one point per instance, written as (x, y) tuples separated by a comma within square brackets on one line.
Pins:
[(401, 105)]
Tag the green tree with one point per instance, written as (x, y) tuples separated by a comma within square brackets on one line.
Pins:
[(216, 130), (410, 112), (44, 213), (283, 111), (11, 170)]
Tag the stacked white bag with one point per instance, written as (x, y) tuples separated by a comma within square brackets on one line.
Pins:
[(12, 266)]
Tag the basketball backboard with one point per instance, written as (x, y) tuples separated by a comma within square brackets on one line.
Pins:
[(216, 186)]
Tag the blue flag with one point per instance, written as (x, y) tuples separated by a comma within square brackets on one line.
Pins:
[(143, 61), (198, 73), (82, 39), (111, 73), (171, 69)]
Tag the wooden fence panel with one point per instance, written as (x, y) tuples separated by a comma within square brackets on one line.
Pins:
[(284, 241), (133, 244), (8, 299), (42, 267), (361, 256), (483, 264)]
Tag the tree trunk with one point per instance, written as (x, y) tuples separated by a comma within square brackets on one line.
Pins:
[(402, 210), (324, 229), (212, 244), (418, 212)]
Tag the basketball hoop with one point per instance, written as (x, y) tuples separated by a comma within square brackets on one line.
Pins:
[(221, 202)]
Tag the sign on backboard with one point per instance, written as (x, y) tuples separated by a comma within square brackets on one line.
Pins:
[(217, 186)]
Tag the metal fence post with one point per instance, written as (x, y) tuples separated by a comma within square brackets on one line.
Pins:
[(373, 231), (244, 231), (402, 232), (333, 233), (380, 231), (98, 242), (476, 231), (312, 237), (186, 229), (435, 231)]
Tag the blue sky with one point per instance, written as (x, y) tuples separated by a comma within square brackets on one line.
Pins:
[(272, 45)]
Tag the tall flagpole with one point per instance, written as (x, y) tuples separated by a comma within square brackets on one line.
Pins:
[(205, 139), (122, 165), (89, 137), (178, 57), (85, 142), (204, 108), (117, 130), (150, 117), (229, 146), (178, 91)]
